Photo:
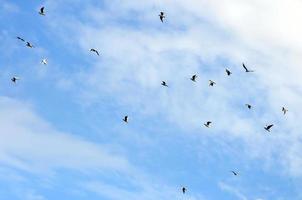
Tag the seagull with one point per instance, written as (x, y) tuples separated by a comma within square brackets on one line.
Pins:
[(284, 110), (211, 83), (248, 106), (44, 61), (163, 83), (28, 44), (94, 50), (193, 78), (235, 173), (126, 119), (268, 127), (162, 16), (184, 190), (19, 38), (207, 124), (228, 72), (41, 12), (14, 79), (246, 70)]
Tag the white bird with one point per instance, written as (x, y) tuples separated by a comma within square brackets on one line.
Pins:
[(44, 61)]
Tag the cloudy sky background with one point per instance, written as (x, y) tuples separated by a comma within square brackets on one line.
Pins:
[(61, 128)]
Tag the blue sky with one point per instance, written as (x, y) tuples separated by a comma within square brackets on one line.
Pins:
[(61, 128)]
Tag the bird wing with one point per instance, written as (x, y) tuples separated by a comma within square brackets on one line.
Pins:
[(243, 65), (42, 10), (270, 126)]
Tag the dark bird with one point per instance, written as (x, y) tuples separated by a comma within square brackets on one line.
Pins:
[(184, 190), (246, 69), (19, 38), (207, 124), (163, 83), (268, 127), (15, 79), (95, 51), (284, 110), (193, 78), (235, 173), (28, 44), (125, 119), (248, 106), (162, 16), (228, 72), (211, 83), (41, 12)]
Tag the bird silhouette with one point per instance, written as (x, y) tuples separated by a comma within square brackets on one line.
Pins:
[(207, 124), (162, 16), (235, 173), (246, 69), (15, 79), (41, 12), (211, 83), (228, 72), (95, 51), (268, 127), (126, 119), (163, 83), (44, 61), (19, 38), (248, 106), (284, 110), (184, 190), (193, 78), (28, 44)]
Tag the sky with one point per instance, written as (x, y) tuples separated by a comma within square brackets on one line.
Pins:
[(61, 130)]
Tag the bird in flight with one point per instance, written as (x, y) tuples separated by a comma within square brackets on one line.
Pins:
[(28, 44), (41, 12), (193, 78), (95, 51), (248, 106), (184, 190), (19, 38), (284, 110), (163, 83), (211, 83), (15, 79), (268, 127), (246, 69), (207, 124), (126, 119), (235, 173), (162, 16), (228, 72), (44, 61)]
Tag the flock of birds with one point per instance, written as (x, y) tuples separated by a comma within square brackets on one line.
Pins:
[(162, 16)]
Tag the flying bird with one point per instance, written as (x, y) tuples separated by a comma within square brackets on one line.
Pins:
[(184, 190), (246, 69), (211, 83), (207, 124), (228, 72), (162, 16), (163, 83), (15, 79), (284, 110), (44, 61), (41, 12), (268, 127), (95, 51), (28, 44), (193, 78), (19, 38), (126, 119), (235, 173), (248, 106)]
